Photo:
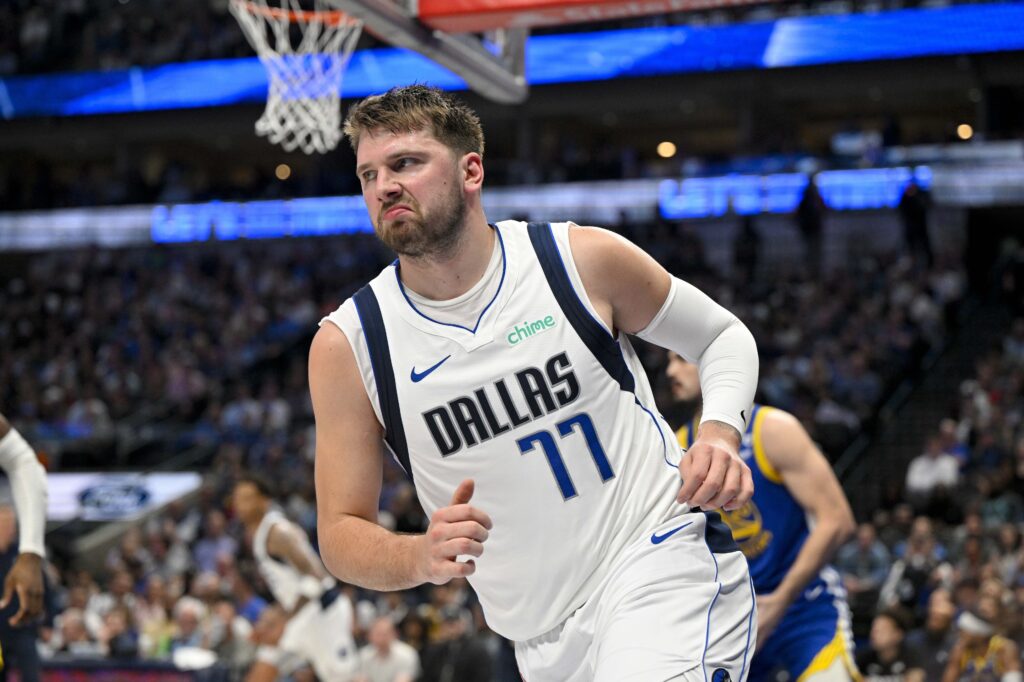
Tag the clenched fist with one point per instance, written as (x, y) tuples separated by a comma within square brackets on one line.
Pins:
[(455, 530)]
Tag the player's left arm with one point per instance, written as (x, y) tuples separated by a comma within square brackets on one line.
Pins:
[(28, 488), (287, 542), (808, 477), (634, 294)]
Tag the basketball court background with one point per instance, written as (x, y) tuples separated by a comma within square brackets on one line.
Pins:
[(162, 265)]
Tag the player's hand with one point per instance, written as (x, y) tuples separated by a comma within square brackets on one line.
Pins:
[(770, 610), (458, 529), (25, 578), (714, 476)]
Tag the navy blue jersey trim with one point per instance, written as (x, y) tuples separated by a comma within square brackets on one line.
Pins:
[(717, 534), (383, 373), (501, 283), (604, 347)]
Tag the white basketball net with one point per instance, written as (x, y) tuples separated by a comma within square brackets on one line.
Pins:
[(304, 98)]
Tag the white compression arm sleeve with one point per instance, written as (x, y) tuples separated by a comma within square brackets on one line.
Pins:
[(705, 333), (28, 487)]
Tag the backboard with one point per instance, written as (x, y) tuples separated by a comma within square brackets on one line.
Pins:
[(446, 31)]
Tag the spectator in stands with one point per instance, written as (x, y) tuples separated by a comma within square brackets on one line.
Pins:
[(229, 636), (1009, 553), (746, 250), (890, 658), (214, 542), (414, 632), (913, 210), (810, 219), (895, 531), (973, 560), (74, 638), (386, 658), (1013, 344), (119, 638), (130, 555), (250, 604), (152, 619), (119, 594), (857, 384), (864, 564), (999, 502), (457, 654), (952, 443), (190, 616), (936, 638), (932, 476), (918, 569)]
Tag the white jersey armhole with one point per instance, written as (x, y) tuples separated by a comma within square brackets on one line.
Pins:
[(346, 318), (561, 234)]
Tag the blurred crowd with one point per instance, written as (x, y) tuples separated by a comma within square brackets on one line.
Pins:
[(953, 547), (96, 342), (76, 35)]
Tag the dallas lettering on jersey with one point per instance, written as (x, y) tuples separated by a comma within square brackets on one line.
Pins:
[(491, 410)]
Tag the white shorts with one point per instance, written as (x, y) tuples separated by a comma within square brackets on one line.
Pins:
[(322, 637), (671, 609)]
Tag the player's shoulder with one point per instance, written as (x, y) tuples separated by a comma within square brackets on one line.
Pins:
[(331, 347), (776, 422), (780, 441), (590, 242), (279, 528)]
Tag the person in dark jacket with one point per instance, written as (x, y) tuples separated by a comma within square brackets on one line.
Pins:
[(458, 655)]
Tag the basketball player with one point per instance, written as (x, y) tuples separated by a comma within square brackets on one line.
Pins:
[(317, 618), (25, 577), (492, 360), (803, 619)]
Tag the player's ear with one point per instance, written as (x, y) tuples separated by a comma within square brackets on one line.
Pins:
[(472, 167)]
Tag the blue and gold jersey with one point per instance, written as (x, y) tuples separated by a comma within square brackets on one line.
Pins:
[(772, 527), (771, 530)]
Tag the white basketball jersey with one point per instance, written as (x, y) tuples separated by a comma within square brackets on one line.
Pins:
[(281, 578), (550, 415)]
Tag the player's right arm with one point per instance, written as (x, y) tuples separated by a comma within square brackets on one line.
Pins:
[(349, 466), (28, 488)]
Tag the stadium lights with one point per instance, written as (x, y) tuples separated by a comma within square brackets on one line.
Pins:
[(666, 150)]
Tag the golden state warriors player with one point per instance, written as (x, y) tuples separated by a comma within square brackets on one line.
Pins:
[(491, 361), (788, 531)]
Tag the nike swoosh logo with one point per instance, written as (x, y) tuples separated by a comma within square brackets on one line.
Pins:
[(420, 376), (658, 539), (743, 416)]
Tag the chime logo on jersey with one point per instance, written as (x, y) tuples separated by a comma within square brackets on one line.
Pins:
[(505, 405), (527, 330)]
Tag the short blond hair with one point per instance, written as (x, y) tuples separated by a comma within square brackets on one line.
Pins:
[(414, 108)]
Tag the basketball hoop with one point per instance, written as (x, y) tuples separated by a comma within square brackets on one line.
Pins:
[(304, 96)]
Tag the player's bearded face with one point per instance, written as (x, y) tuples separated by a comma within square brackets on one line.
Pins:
[(428, 228)]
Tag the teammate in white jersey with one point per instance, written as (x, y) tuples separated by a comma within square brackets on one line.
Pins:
[(317, 617), (25, 578), (492, 360)]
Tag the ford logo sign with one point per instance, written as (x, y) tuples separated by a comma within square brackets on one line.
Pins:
[(113, 500)]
